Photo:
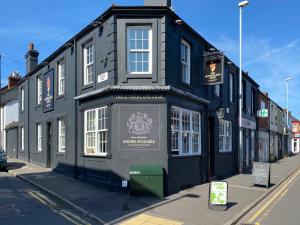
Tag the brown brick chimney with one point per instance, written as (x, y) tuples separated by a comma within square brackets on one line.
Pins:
[(13, 79)]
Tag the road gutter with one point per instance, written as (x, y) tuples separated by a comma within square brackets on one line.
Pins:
[(250, 206)]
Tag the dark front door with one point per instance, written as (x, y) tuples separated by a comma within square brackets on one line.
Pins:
[(49, 144), (211, 148)]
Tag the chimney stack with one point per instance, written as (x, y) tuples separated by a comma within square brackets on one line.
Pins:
[(266, 94), (13, 79), (158, 3), (31, 58)]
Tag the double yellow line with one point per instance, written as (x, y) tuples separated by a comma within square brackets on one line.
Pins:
[(54, 207), (281, 192)]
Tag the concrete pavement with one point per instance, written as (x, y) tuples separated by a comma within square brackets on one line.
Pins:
[(279, 208), (21, 203), (187, 207)]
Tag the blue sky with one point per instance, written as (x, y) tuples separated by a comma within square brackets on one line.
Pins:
[(271, 34)]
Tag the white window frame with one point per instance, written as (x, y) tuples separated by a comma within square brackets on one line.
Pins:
[(191, 133), (22, 99), (61, 135), (22, 139), (61, 74), (262, 104), (231, 87), (185, 61), (137, 50), (225, 135), (39, 90), (39, 137), (88, 61), (100, 133)]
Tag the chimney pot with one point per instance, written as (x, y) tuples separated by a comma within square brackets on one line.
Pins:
[(30, 47), (13, 79)]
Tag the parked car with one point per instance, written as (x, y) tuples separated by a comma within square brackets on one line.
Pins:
[(3, 159)]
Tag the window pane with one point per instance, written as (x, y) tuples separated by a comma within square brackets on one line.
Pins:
[(139, 67), (145, 66), (139, 34), (139, 44)]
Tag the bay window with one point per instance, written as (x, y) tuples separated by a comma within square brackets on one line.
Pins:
[(139, 49), (95, 131), (185, 132), (225, 136)]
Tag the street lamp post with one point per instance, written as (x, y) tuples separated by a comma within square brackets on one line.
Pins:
[(287, 107), (241, 5)]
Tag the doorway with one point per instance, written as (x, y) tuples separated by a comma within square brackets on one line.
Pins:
[(211, 148), (49, 144)]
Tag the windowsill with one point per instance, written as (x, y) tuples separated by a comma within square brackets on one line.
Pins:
[(139, 75), (38, 105), (186, 85), (86, 86), (108, 156), (59, 97), (225, 152), (186, 156), (38, 152), (61, 153)]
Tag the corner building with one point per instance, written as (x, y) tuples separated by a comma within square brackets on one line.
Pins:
[(129, 90)]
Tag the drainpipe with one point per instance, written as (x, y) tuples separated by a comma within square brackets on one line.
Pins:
[(28, 139), (76, 111)]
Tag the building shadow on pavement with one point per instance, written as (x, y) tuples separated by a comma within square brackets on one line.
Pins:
[(104, 201), (15, 165)]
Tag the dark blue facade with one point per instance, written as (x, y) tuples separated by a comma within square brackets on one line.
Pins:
[(153, 94)]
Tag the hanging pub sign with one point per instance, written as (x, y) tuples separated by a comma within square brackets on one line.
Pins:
[(218, 195), (214, 68), (48, 91)]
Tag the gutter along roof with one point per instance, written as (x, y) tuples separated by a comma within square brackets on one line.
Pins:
[(157, 88)]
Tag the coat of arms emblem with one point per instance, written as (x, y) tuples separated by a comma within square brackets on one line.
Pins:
[(139, 123)]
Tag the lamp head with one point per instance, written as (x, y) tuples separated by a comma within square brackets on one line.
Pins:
[(288, 79), (243, 4)]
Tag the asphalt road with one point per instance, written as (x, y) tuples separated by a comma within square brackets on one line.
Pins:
[(280, 208), (21, 203)]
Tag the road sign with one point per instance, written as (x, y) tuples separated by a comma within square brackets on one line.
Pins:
[(218, 192), (263, 113)]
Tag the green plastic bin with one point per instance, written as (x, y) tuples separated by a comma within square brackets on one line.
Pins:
[(147, 180)]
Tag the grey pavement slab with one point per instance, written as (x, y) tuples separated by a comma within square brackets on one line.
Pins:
[(188, 206)]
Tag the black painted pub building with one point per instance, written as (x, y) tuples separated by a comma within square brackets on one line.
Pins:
[(130, 89)]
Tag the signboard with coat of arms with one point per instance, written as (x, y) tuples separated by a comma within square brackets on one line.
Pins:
[(48, 91), (213, 68), (139, 127)]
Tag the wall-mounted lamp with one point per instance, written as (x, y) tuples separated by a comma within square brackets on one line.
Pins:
[(97, 24), (220, 113), (179, 22)]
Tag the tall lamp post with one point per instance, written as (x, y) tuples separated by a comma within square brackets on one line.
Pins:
[(241, 5), (287, 108)]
